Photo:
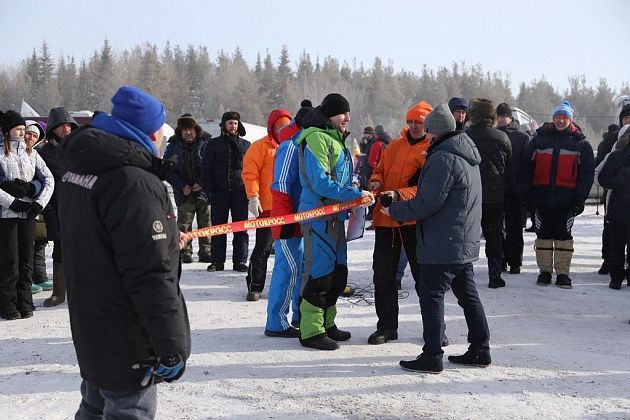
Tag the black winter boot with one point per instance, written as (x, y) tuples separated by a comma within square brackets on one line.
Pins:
[(472, 358), (423, 364), (544, 279), (336, 334), (494, 272), (320, 342), (382, 336)]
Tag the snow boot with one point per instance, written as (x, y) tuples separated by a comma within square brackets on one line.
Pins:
[(186, 258), (332, 331), (494, 272), (216, 267), (59, 287), (544, 255), (544, 279), (382, 336), (562, 255), (320, 342), (35, 288)]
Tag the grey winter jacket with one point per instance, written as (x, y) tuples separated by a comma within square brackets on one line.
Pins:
[(447, 207)]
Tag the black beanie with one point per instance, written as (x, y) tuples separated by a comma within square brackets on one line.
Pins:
[(334, 104), (306, 103), (9, 120), (504, 110)]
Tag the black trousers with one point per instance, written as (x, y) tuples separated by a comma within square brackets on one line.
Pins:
[(39, 262), (618, 241), (224, 203), (436, 280), (387, 246), (16, 264), (513, 243), (492, 228), (554, 223), (257, 270)]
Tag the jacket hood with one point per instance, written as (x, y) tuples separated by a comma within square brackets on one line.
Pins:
[(92, 151), (58, 116), (459, 144), (316, 118), (121, 128), (273, 117)]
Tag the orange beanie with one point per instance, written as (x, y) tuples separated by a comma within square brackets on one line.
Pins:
[(419, 111)]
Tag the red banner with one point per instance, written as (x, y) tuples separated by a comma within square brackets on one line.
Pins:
[(275, 221)]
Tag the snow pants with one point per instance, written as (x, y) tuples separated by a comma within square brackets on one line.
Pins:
[(325, 276), (286, 282)]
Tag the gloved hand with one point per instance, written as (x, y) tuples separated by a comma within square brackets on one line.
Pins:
[(388, 197), (171, 368), (20, 206), (29, 187), (13, 188), (578, 208), (254, 206), (36, 208), (367, 194)]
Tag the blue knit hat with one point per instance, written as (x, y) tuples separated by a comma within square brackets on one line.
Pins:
[(139, 109), (565, 108)]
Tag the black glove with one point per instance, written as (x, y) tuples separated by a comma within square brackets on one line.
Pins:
[(36, 208), (20, 206), (13, 188), (385, 200), (29, 187), (578, 208)]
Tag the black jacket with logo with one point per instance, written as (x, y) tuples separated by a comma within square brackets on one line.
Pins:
[(122, 258)]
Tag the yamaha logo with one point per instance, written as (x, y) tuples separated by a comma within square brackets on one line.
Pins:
[(158, 227)]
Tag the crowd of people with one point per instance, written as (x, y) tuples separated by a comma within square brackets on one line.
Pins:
[(457, 173)]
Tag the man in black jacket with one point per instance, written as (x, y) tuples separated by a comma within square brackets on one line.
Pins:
[(127, 313), (60, 125), (513, 243), (185, 147), (496, 152), (603, 149), (221, 169)]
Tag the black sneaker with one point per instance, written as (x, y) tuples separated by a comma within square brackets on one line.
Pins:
[(603, 270), (321, 342), (515, 269), (288, 333), (295, 324), (240, 267), (544, 279), (496, 283), (336, 334), (382, 336), (563, 281), (471, 358), (252, 296), (186, 258), (216, 267), (423, 364)]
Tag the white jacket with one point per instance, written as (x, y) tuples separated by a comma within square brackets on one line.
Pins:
[(18, 164)]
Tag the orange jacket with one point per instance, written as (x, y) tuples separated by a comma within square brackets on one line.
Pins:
[(258, 170), (258, 162), (398, 171)]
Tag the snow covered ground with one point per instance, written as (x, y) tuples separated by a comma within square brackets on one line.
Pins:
[(556, 353)]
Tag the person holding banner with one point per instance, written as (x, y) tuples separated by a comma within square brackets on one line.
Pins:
[(326, 178)]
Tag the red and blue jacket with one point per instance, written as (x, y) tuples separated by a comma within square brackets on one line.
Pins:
[(558, 167)]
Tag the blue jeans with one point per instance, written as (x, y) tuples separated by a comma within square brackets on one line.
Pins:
[(436, 280), (121, 405)]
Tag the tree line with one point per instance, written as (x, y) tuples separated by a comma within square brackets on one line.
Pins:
[(189, 80)]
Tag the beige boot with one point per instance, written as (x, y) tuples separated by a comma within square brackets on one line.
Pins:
[(59, 287), (544, 255), (563, 253)]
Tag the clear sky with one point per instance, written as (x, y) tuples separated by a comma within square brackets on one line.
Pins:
[(523, 39)]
